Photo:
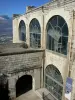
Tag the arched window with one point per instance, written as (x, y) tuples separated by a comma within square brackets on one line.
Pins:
[(35, 34), (22, 31), (57, 34), (54, 81)]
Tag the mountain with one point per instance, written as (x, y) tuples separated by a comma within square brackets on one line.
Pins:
[(5, 16), (5, 27)]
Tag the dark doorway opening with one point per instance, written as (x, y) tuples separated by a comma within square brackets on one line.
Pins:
[(4, 92), (23, 85)]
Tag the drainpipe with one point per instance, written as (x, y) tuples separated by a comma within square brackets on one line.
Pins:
[(71, 48), (42, 47)]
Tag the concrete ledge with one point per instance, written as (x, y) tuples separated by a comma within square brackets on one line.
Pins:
[(18, 50)]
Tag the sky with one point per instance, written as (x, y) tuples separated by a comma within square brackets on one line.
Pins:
[(10, 7)]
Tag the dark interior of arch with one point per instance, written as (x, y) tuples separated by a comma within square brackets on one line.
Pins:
[(57, 34), (23, 85), (35, 33), (22, 31), (54, 81), (4, 93)]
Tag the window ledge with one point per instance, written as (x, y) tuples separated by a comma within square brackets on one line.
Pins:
[(56, 53)]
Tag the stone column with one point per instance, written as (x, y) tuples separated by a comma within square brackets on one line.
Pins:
[(42, 28), (12, 88), (36, 79), (27, 32), (15, 31), (73, 79), (73, 59)]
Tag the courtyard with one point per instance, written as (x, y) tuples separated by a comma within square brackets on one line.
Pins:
[(30, 95)]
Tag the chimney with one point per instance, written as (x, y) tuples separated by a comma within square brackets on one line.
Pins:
[(16, 15), (29, 8)]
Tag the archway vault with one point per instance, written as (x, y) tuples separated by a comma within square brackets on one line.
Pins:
[(54, 81), (23, 85)]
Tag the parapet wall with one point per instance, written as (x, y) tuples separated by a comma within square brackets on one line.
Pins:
[(20, 61), (13, 45)]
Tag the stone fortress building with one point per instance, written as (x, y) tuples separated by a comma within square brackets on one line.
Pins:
[(49, 32)]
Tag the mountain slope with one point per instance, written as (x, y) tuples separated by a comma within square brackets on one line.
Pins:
[(5, 29), (5, 25)]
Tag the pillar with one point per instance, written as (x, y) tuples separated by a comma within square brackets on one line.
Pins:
[(36, 79), (12, 88)]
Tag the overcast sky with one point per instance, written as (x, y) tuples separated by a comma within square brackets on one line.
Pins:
[(9, 7)]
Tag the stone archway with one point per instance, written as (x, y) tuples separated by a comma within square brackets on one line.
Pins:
[(54, 81), (23, 85)]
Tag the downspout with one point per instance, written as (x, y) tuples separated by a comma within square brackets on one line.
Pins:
[(42, 47), (71, 48)]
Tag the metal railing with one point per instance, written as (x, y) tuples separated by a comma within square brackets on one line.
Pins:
[(55, 93), (46, 97)]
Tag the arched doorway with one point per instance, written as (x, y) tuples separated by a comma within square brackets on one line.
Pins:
[(54, 81), (23, 85), (57, 34), (22, 31), (35, 33)]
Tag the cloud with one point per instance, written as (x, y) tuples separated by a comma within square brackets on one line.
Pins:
[(5, 25), (1, 18)]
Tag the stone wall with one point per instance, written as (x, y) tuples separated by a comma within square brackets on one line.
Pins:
[(15, 63)]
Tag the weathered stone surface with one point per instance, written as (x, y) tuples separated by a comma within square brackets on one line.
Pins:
[(20, 62), (65, 9)]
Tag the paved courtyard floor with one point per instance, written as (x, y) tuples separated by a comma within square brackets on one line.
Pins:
[(31, 95)]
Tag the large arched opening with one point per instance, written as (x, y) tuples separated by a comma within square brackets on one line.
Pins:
[(57, 34), (22, 31), (54, 81), (35, 33), (23, 85)]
